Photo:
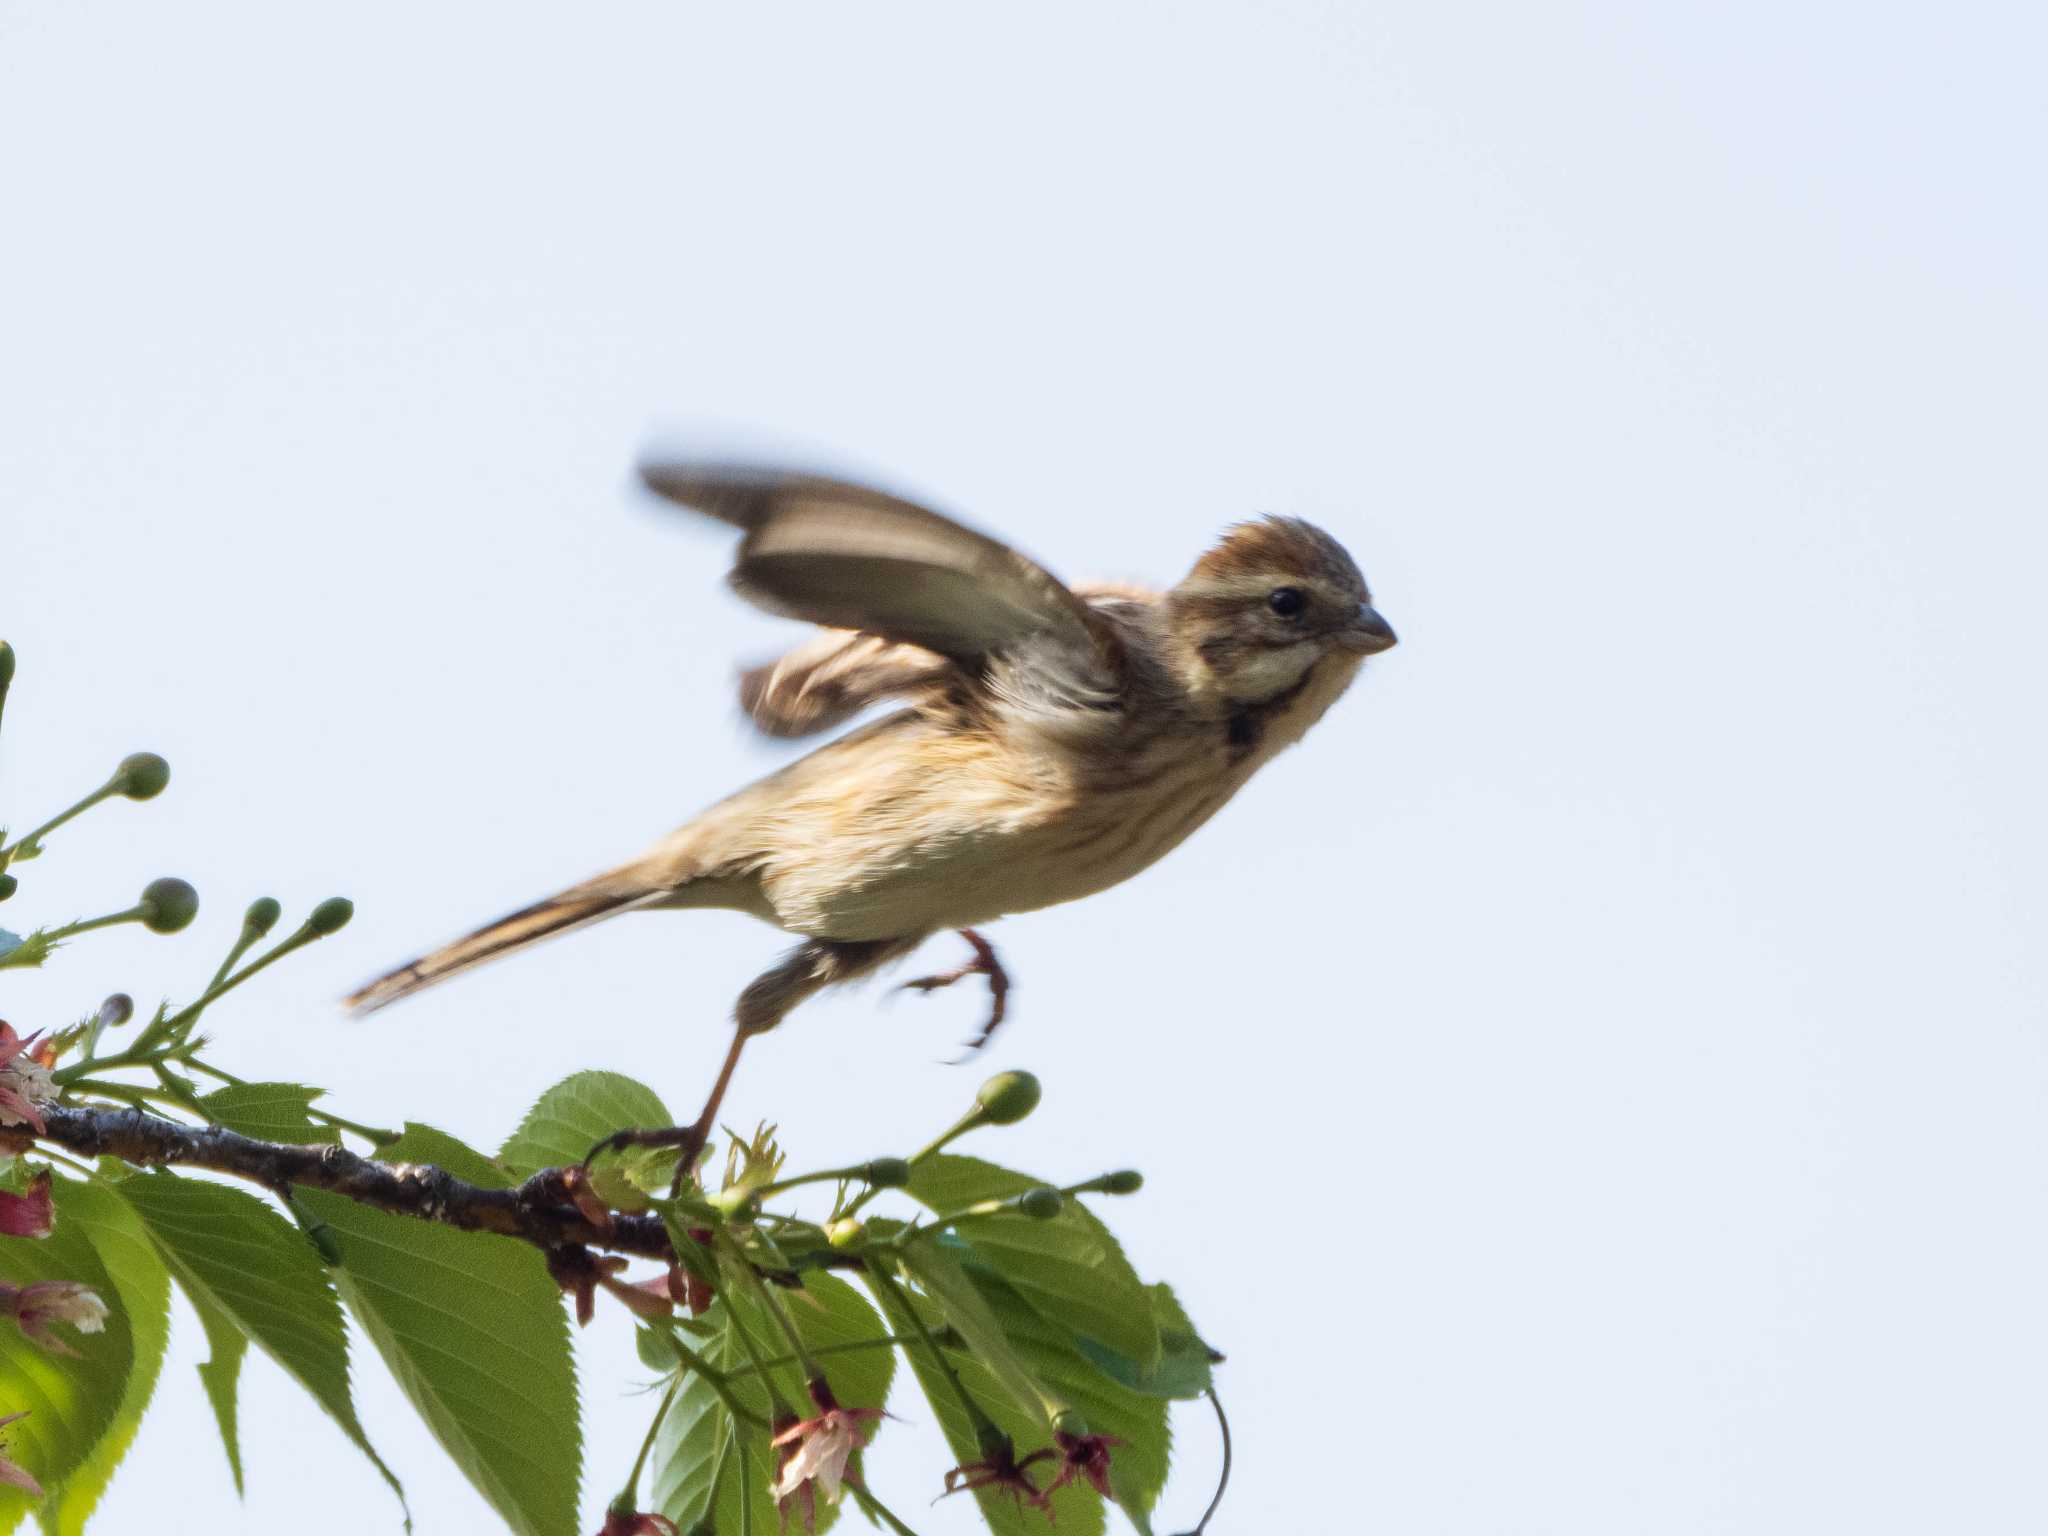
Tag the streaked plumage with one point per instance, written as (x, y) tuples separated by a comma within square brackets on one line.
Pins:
[(1053, 741)]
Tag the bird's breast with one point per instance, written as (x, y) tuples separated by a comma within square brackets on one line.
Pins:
[(950, 830)]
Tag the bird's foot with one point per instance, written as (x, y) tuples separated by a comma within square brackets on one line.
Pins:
[(689, 1138), (984, 963)]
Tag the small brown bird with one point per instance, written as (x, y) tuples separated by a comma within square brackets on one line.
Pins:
[(1055, 741)]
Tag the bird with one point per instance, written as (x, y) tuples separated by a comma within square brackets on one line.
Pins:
[(1050, 741)]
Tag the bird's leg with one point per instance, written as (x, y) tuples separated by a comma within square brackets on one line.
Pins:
[(984, 963), (809, 968)]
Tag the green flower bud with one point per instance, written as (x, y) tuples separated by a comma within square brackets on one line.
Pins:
[(887, 1172), (846, 1232), (1070, 1421), (117, 1010), (331, 916), (1041, 1204), (8, 886), (6, 665), (1008, 1097), (737, 1202), (1127, 1181), (142, 776), (168, 905), (261, 917)]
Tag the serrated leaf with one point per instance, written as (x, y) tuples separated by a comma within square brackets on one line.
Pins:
[(1070, 1267), (424, 1144), (269, 1111), (70, 1402), (239, 1256), (142, 1294), (574, 1116), (934, 1262), (1186, 1363), (221, 1376), (1077, 1511), (830, 1314), (1138, 1466), (695, 1468), (705, 1462), (474, 1331)]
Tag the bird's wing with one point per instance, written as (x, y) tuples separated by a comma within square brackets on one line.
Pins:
[(832, 677), (849, 556)]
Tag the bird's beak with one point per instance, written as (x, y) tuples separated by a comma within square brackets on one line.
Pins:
[(1367, 633)]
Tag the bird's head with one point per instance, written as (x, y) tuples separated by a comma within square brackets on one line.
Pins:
[(1261, 609)]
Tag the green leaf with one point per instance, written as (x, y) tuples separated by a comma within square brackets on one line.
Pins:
[(70, 1402), (1077, 1511), (707, 1463), (424, 1144), (269, 1111), (574, 1116), (1138, 1466), (1070, 1268), (1186, 1363), (474, 1331), (142, 1294), (221, 1376), (933, 1261), (234, 1254), (830, 1314)]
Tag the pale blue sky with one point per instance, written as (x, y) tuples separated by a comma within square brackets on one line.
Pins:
[(1596, 1085)]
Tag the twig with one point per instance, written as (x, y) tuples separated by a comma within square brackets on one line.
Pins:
[(538, 1211)]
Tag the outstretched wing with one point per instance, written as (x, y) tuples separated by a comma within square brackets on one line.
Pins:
[(837, 673), (851, 557)]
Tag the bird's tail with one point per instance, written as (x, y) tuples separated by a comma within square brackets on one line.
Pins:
[(580, 904)]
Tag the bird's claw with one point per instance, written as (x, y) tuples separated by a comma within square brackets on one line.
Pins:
[(984, 963)]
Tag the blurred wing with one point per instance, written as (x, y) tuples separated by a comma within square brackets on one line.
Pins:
[(829, 679), (848, 556)]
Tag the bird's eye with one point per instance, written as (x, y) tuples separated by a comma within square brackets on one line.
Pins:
[(1288, 602)]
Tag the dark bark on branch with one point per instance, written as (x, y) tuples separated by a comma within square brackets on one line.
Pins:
[(538, 1211)]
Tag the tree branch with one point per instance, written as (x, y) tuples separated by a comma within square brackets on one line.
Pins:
[(538, 1212)]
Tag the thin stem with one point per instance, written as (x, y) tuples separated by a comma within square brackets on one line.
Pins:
[(220, 989), (875, 1506), (244, 942), (776, 1401), (715, 1379), (137, 1055), (806, 1178), (629, 1494), (776, 1310), (986, 1430), (890, 1341), (972, 1120), (87, 924), (30, 840), (1223, 1482), (131, 1094)]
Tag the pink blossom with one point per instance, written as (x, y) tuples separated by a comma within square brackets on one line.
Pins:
[(38, 1307), (814, 1453), (27, 1215)]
